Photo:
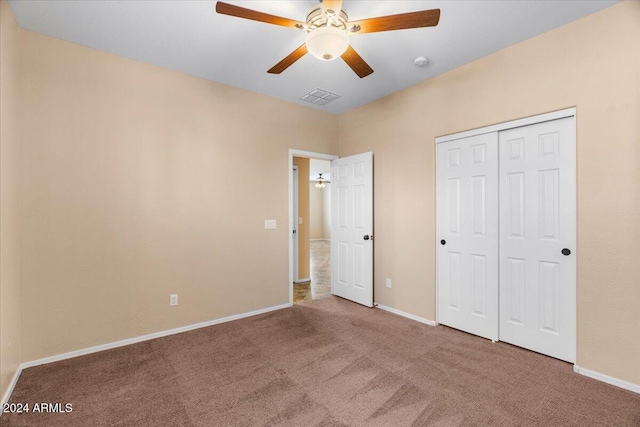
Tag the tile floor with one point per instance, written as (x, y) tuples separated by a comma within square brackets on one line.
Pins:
[(320, 285)]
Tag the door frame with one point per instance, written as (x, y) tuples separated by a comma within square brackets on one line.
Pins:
[(308, 155), (294, 226), (525, 121)]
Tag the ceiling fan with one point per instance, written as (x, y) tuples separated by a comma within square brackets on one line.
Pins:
[(328, 29)]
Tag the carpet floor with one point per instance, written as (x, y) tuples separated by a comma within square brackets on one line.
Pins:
[(328, 362)]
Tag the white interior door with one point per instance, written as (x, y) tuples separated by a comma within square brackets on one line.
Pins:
[(352, 228), (467, 209), (538, 238)]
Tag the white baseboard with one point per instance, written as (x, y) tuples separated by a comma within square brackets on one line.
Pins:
[(305, 280), (320, 240), (405, 314), (582, 371), (607, 379), (160, 334), (134, 340), (12, 385)]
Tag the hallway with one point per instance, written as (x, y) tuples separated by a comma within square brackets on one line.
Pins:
[(320, 285)]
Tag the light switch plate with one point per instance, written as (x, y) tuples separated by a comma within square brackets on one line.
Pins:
[(300, 220), (269, 224)]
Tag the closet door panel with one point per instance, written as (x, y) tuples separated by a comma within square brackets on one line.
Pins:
[(538, 222), (467, 212)]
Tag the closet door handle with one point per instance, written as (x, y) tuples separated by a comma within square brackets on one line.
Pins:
[(566, 252), (366, 237), (443, 242)]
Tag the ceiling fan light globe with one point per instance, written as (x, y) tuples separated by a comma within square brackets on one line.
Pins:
[(327, 43)]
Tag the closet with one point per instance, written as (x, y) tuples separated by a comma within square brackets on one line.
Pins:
[(506, 233)]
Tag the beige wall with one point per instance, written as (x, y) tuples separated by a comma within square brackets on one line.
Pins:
[(320, 211), (315, 212), (139, 182), (304, 248), (593, 64), (9, 201)]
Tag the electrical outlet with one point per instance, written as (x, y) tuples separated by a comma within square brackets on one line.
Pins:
[(173, 300), (388, 283)]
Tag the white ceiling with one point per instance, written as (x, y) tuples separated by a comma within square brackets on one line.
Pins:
[(189, 36)]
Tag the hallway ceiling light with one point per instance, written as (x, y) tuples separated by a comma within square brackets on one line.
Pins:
[(321, 182)]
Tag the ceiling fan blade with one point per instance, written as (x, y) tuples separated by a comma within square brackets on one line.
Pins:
[(356, 63), (335, 5), (289, 60), (254, 15), (403, 21)]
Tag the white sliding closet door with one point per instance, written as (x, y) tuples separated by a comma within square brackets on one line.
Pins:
[(538, 238), (467, 209)]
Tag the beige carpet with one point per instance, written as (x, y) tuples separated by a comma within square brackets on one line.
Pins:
[(324, 363)]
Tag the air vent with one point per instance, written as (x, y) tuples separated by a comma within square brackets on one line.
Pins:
[(319, 97)]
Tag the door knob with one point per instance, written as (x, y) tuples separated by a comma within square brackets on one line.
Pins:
[(366, 237), (443, 242), (566, 252)]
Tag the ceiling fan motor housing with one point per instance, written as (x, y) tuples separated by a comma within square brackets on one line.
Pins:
[(317, 19)]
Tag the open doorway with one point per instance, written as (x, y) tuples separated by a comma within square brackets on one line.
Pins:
[(310, 212), (319, 228)]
